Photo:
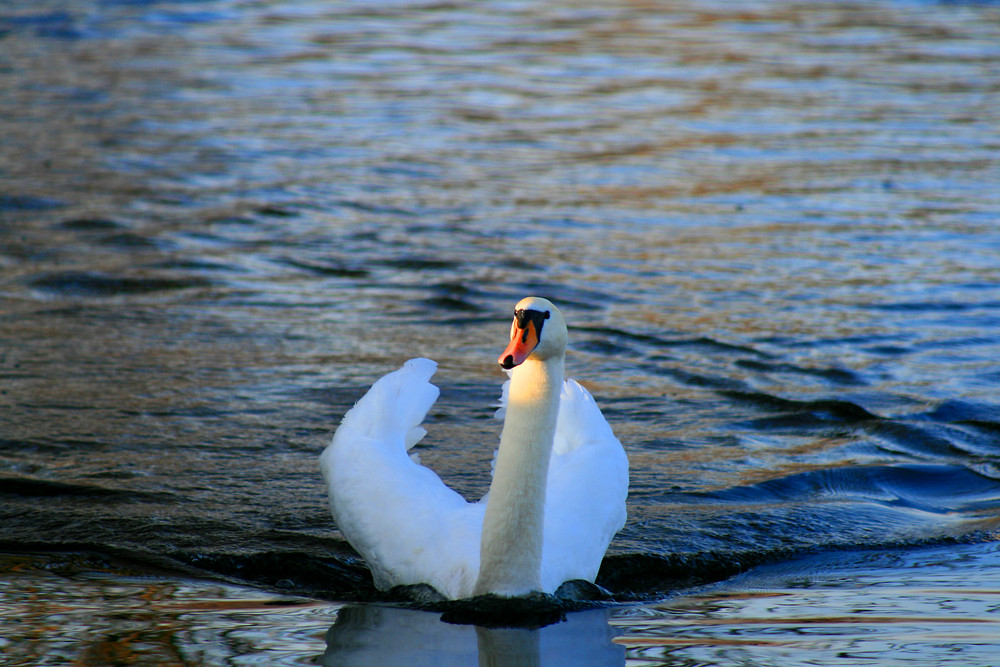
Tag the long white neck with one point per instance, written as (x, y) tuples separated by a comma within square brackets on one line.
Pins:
[(511, 547)]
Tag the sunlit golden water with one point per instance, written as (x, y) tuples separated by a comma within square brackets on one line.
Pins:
[(934, 606)]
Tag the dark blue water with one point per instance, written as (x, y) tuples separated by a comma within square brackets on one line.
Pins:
[(772, 227)]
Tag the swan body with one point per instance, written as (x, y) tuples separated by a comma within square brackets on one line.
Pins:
[(557, 495)]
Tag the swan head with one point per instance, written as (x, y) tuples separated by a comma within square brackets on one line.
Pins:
[(538, 331)]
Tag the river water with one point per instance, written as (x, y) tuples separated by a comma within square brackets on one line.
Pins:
[(771, 225)]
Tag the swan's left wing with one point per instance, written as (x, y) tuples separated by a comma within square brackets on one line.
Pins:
[(587, 488), (399, 515)]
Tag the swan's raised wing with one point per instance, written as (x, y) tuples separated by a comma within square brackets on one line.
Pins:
[(399, 515), (587, 487)]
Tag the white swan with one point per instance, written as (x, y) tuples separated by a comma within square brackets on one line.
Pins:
[(557, 495)]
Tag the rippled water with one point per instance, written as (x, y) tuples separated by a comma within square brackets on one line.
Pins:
[(771, 225)]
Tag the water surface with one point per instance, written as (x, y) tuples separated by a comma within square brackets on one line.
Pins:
[(771, 226)]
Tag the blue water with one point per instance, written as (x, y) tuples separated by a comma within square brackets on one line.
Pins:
[(772, 227)]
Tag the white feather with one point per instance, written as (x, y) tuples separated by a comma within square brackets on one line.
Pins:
[(412, 529)]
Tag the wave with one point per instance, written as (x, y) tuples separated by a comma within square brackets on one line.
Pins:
[(91, 283)]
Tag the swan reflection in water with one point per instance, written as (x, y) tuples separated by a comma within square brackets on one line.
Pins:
[(377, 635)]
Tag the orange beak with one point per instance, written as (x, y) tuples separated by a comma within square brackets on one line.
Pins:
[(522, 343)]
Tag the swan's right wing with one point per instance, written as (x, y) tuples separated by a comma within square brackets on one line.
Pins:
[(399, 515), (587, 488)]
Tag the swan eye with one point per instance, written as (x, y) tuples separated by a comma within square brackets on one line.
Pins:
[(524, 317)]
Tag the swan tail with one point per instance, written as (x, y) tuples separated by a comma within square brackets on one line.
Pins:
[(394, 407)]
